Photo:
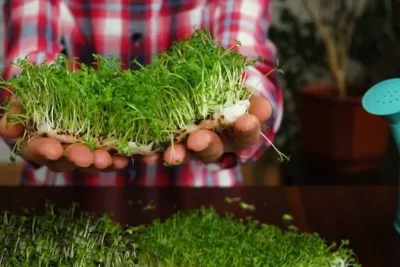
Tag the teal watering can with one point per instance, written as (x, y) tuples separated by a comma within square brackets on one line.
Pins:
[(383, 99)]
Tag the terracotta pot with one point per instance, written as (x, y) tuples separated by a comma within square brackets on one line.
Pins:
[(338, 134)]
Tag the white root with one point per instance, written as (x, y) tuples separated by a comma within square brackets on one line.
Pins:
[(223, 117), (142, 149), (232, 112), (45, 129), (339, 262)]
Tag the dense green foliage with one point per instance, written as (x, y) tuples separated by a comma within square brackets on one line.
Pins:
[(199, 237), (107, 104), (204, 238), (64, 239)]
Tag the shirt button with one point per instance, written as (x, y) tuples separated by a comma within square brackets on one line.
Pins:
[(136, 37)]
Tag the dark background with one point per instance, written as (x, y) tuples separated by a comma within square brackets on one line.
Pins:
[(374, 56)]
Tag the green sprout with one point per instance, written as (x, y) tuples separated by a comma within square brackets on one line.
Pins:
[(287, 217), (150, 206), (167, 164), (200, 237), (64, 238), (230, 200), (247, 206), (242, 204), (129, 111)]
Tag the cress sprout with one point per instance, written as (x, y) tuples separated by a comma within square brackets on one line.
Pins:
[(195, 84), (200, 237)]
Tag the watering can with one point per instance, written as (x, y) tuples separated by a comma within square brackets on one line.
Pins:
[(383, 99)]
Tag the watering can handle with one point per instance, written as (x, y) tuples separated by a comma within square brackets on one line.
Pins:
[(395, 129)]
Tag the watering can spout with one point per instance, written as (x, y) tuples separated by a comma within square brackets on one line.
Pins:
[(383, 99)]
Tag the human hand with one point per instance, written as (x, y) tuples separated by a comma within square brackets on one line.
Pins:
[(59, 157), (204, 145), (208, 146)]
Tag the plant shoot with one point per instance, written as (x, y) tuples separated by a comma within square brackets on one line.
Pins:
[(196, 84)]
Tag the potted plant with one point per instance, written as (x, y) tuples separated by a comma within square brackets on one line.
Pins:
[(336, 132), (200, 237)]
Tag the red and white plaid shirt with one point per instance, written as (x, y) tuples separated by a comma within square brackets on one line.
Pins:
[(138, 29)]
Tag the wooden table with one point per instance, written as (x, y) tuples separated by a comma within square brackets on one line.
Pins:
[(362, 214)]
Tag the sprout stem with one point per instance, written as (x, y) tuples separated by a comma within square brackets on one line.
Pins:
[(132, 111)]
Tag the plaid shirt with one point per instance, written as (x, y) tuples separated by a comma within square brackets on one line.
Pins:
[(138, 29)]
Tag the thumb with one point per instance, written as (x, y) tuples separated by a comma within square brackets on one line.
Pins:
[(9, 125)]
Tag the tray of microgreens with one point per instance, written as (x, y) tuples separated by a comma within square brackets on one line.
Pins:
[(198, 237), (196, 84)]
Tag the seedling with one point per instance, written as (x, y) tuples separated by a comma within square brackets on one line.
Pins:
[(287, 217), (64, 238), (196, 84), (242, 204), (230, 200), (247, 206), (150, 206), (200, 237)]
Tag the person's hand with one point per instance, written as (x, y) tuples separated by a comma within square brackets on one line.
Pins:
[(203, 145), (58, 157), (208, 146)]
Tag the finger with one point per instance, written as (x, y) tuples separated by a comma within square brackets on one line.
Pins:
[(61, 165), (42, 150), (175, 155), (260, 108), (80, 155), (102, 159), (151, 159), (8, 126), (119, 162), (246, 131), (207, 145)]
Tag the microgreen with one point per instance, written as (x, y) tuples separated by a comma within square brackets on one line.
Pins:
[(287, 217), (242, 204), (230, 200), (247, 206), (166, 164), (282, 157), (150, 206), (64, 238), (130, 111), (200, 237), (264, 127)]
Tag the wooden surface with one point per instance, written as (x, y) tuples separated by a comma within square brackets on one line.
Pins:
[(362, 214)]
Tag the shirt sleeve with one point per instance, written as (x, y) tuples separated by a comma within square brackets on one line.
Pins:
[(33, 30), (248, 21)]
